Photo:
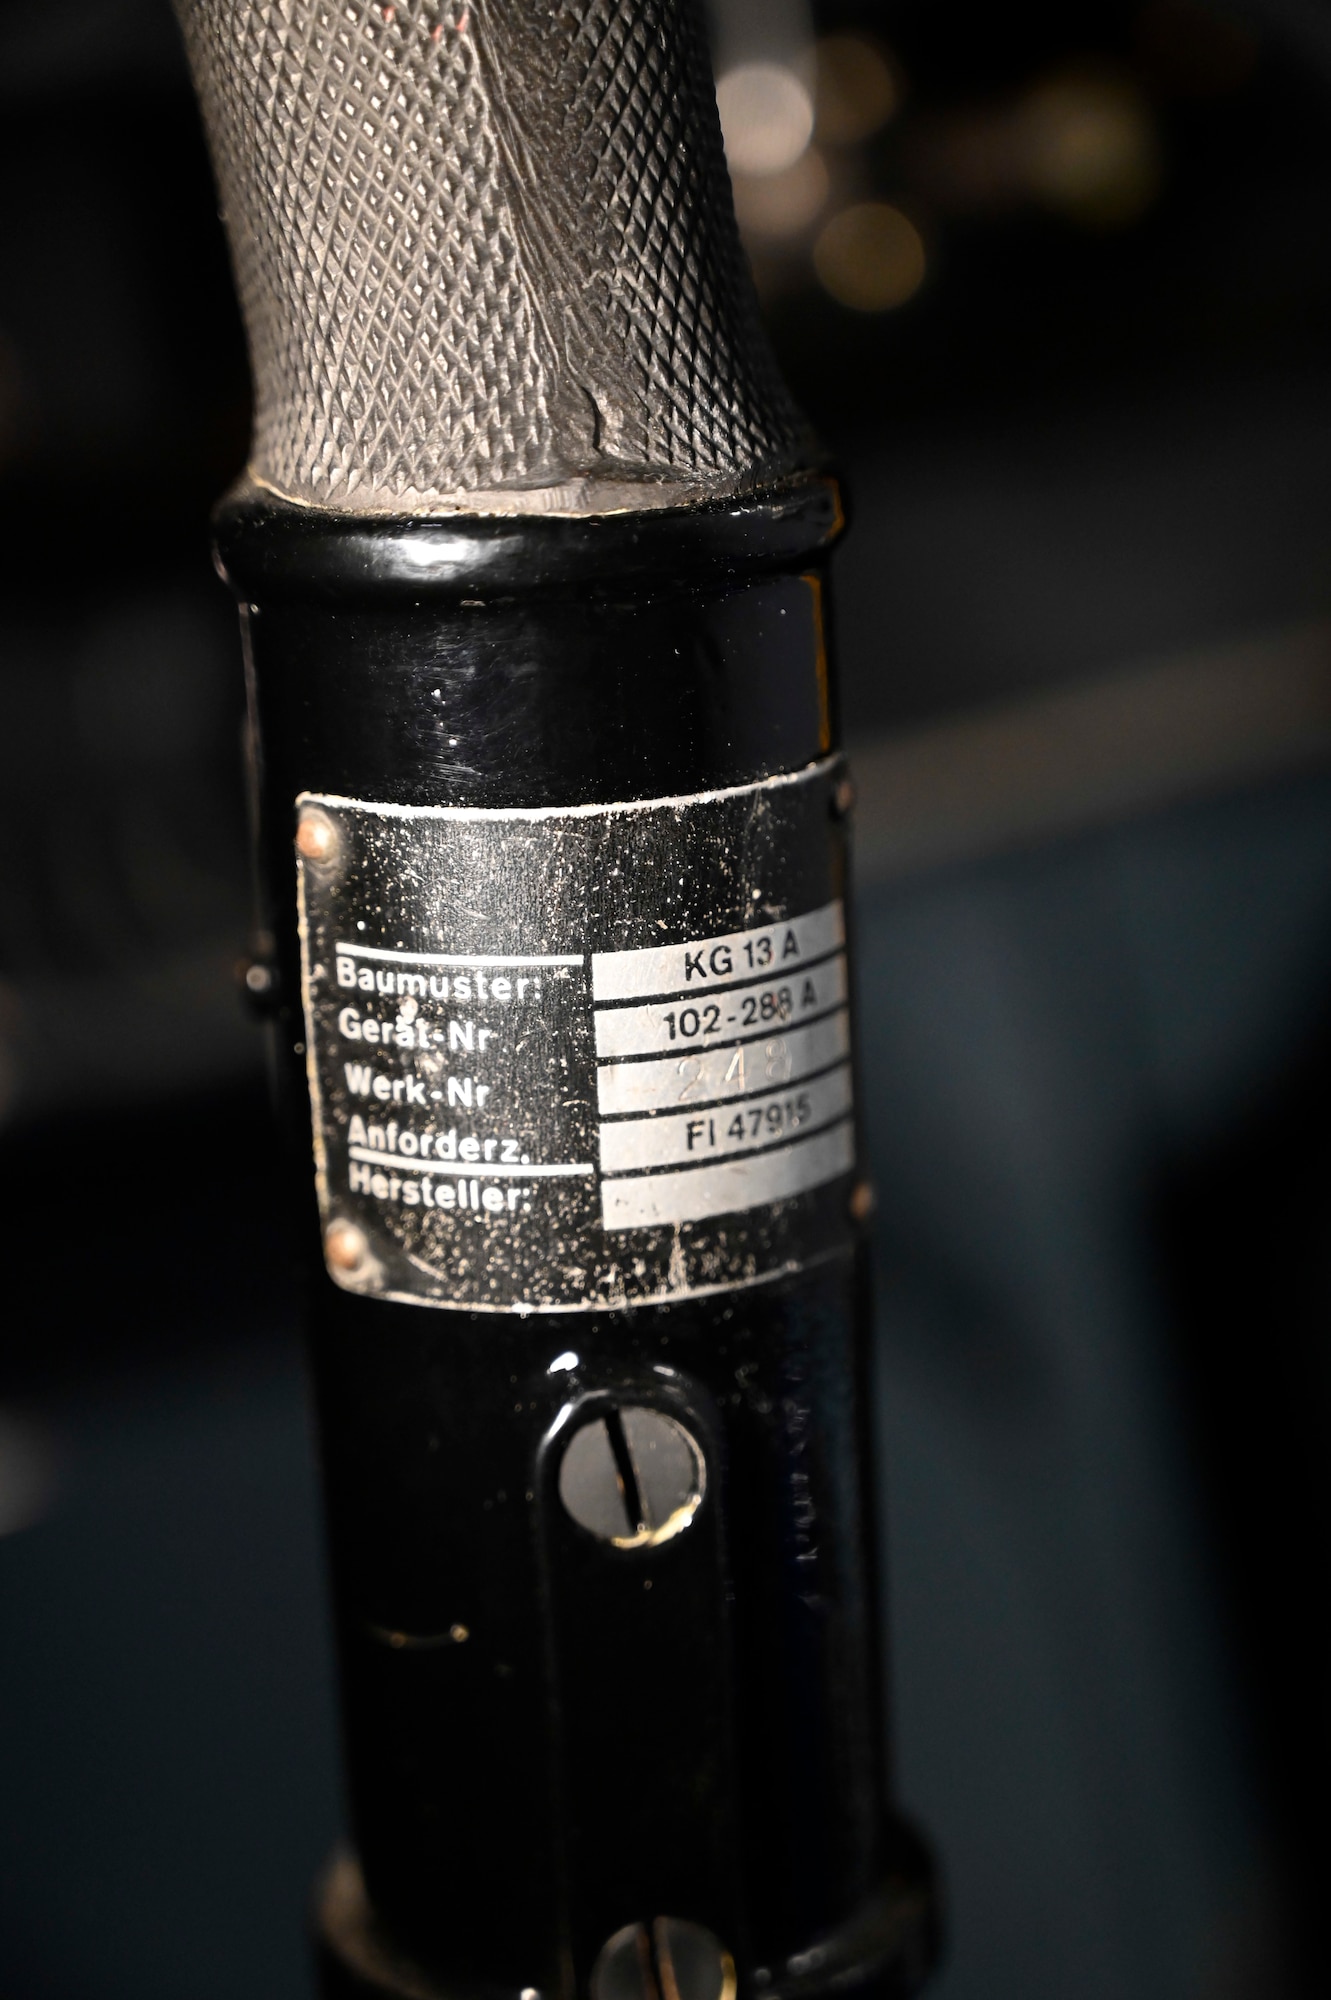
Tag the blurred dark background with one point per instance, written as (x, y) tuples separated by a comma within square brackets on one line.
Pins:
[(1054, 286)]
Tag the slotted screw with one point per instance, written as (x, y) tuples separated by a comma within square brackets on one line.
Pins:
[(670, 1959), (632, 1476)]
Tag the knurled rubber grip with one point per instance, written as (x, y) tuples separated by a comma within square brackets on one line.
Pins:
[(487, 255)]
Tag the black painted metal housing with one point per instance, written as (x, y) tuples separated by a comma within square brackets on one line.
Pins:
[(547, 1737)]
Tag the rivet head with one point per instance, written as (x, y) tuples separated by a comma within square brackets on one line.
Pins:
[(670, 1959), (316, 836), (345, 1246), (633, 1477)]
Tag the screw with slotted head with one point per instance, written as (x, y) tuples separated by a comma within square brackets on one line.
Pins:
[(668, 1959), (632, 1476)]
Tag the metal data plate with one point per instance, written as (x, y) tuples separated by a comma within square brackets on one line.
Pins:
[(578, 1058)]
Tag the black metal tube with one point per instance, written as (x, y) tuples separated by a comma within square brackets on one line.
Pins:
[(549, 1737)]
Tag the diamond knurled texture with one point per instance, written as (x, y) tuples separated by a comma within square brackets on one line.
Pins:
[(486, 254)]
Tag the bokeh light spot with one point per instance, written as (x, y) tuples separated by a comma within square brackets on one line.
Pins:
[(1089, 148), (766, 117), (857, 89), (785, 204), (870, 257)]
